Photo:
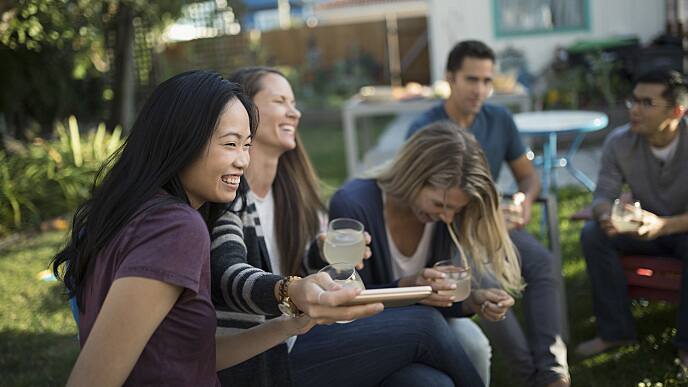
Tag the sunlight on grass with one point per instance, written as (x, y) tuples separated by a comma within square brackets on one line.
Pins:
[(615, 356), (37, 332), (573, 268)]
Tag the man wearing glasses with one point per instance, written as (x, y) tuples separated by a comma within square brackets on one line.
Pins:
[(650, 156)]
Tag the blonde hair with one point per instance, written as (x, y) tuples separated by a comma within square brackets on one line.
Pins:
[(442, 155)]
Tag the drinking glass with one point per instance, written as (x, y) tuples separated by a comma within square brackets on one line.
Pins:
[(344, 242), (626, 218), (512, 209), (457, 274), (345, 275)]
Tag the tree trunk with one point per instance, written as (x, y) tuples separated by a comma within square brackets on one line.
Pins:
[(124, 82)]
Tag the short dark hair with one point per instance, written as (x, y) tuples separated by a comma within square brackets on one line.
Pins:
[(676, 91), (470, 49)]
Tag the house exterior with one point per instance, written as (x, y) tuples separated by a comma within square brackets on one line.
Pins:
[(537, 27)]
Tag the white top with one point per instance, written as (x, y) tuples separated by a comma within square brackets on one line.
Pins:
[(666, 153), (402, 265), (266, 212)]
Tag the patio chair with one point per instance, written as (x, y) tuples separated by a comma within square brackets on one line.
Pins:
[(649, 277)]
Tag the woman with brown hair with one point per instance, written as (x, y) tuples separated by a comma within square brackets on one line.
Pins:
[(260, 245)]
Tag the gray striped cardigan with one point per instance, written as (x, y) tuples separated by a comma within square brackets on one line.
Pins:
[(243, 292)]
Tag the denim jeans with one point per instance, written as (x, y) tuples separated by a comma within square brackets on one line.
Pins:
[(475, 343), (538, 357), (416, 375), (609, 292), (413, 344)]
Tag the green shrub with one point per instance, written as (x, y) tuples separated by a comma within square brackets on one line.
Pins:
[(48, 178)]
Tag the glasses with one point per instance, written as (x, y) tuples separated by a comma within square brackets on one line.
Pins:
[(643, 103), (344, 275), (456, 274), (345, 242), (626, 217)]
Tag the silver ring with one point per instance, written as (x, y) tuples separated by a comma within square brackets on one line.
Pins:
[(483, 306)]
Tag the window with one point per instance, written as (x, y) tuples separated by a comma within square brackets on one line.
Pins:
[(525, 17)]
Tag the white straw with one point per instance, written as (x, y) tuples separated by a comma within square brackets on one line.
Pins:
[(450, 227)]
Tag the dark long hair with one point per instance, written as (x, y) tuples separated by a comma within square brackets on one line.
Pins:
[(173, 128), (295, 189)]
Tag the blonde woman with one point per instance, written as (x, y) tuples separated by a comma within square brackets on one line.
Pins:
[(439, 179)]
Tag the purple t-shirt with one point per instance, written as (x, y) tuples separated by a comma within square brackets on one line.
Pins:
[(169, 243)]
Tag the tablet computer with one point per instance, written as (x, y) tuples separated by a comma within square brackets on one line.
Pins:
[(392, 297)]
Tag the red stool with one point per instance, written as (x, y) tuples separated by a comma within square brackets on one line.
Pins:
[(648, 277), (653, 278)]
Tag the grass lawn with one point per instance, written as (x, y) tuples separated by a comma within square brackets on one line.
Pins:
[(38, 337), (37, 334)]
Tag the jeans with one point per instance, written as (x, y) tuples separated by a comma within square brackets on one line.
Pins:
[(538, 358), (416, 375), (609, 289), (412, 343), (475, 343)]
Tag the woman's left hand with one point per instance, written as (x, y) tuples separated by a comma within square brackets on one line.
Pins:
[(491, 304), (367, 253)]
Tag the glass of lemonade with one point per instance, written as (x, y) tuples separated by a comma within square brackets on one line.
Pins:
[(344, 274), (457, 274), (626, 218), (345, 242)]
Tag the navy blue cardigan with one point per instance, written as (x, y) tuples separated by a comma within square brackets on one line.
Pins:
[(361, 199)]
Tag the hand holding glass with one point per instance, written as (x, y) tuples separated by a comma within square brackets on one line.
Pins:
[(458, 275), (513, 209), (626, 218), (345, 242), (344, 274)]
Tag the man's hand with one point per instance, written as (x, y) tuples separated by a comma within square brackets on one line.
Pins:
[(652, 226), (606, 225), (527, 212), (435, 279), (517, 211)]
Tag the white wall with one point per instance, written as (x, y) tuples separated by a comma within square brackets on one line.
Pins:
[(450, 21)]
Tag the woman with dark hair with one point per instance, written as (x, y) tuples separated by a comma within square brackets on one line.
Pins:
[(271, 237), (138, 257)]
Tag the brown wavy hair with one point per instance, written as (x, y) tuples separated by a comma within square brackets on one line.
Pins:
[(295, 189)]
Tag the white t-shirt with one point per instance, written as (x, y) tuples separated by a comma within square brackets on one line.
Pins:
[(266, 212), (402, 265), (666, 153)]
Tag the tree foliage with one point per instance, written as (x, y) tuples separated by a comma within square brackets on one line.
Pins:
[(56, 56)]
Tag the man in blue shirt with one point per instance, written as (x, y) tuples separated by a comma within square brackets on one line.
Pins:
[(539, 360)]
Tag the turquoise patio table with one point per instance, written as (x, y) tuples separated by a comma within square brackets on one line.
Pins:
[(550, 124)]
